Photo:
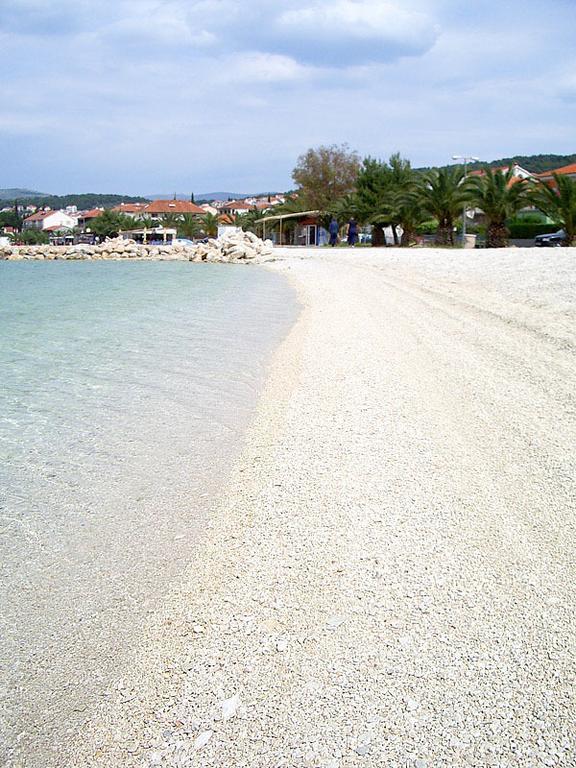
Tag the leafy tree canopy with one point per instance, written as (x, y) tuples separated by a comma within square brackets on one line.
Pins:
[(325, 174), (110, 223), (559, 202), (10, 219)]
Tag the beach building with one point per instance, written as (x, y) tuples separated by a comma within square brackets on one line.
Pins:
[(234, 208), (85, 218), (157, 209), (303, 228), (153, 236), (50, 220)]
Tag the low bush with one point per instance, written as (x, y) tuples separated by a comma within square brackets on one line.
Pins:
[(528, 231), (427, 227)]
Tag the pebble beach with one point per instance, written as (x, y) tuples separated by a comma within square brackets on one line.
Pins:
[(387, 577)]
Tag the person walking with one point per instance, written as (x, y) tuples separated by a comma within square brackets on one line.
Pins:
[(352, 232), (333, 229)]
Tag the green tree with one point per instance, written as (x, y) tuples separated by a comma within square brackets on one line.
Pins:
[(559, 203), (10, 219), (110, 223), (387, 196), (146, 222), (499, 195), (34, 237), (325, 174), (209, 224), (189, 226), (171, 220), (442, 194)]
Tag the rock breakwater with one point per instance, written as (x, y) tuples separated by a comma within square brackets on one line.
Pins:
[(236, 248)]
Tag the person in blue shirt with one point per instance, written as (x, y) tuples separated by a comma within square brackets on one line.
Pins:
[(333, 229), (352, 232)]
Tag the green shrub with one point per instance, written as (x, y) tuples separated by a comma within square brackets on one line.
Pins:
[(529, 217), (33, 237), (521, 231), (427, 227)]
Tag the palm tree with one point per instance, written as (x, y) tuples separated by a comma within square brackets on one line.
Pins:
[(209, 224), (250, 220), (171, 220), (189, 226), (374, 199), (147, 222), (385, 197), (499, 195), (442, 195), (559, 202)]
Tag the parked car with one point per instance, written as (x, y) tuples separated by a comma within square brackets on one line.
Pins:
[(551, 240)]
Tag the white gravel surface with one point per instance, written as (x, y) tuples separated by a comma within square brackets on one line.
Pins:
[(389, 580)]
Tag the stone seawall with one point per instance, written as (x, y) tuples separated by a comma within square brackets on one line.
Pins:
[(237, 248)]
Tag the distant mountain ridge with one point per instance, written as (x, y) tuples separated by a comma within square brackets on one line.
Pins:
[(203, 196), (532, 163), (16, 193), (83, 202)]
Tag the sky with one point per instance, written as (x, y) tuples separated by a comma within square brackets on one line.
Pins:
[(160, 96)]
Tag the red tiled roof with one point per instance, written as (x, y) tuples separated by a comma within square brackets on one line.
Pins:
[(236, 205), (90, 214), (566, 170), (39, 215), (173, 206), (129, 207)]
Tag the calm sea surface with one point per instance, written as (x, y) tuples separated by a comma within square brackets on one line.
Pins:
[(124, 391)]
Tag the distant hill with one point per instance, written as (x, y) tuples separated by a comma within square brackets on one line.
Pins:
[(19, 194), (83, 202), (532, 163), (205, 196), (223, 195)]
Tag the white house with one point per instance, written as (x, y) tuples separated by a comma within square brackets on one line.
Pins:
[(51, 220)]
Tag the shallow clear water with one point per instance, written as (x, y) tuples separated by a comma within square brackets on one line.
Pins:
[(125, 388)]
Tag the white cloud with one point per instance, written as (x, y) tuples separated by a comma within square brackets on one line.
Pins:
[(255, 67), (358, 30), (96, 87)]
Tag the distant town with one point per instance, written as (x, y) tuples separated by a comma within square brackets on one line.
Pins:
[(301, 217), (137, 218)]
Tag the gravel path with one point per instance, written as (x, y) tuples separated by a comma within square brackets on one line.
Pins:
[(390, 579)]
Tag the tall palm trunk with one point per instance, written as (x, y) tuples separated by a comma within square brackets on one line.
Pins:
[(497, 235), (444, 233), (378, 236), (408, 235)]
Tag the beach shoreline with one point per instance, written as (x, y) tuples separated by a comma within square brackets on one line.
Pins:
[(387, 576)]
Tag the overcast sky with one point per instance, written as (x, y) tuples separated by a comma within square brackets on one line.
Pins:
[(150, 96)]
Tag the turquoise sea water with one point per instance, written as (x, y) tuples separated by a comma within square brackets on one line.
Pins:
[(125, 389)]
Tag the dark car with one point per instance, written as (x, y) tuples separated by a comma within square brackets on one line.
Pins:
[(554, 239)]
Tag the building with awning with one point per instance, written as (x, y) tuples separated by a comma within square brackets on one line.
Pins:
[(307, 232), (150, 235)]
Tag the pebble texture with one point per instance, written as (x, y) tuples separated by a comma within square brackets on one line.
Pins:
[(389, 580)]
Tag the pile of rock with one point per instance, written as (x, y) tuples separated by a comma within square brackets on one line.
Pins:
[(236, 247)]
